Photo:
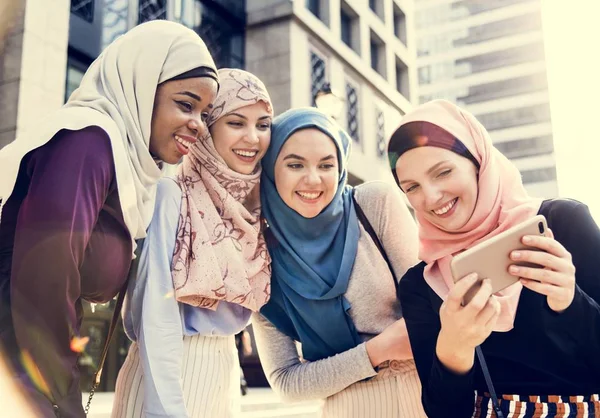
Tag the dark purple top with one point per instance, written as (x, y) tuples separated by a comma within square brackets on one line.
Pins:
[(62, 238)]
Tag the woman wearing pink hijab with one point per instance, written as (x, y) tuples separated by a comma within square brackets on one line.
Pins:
[(537, 341)]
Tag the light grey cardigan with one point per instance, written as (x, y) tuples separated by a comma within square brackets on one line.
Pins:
[(371, 293)]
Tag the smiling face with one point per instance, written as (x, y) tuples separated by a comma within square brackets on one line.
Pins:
[(439, 184), (307, 172), (242, 137), (180, 108)]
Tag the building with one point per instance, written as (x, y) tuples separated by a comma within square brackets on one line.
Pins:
[(488, 56), (364, 50)]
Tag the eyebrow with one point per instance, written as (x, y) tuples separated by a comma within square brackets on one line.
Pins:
[(239, 115), (298, 157), (190, 94), (431, 169)]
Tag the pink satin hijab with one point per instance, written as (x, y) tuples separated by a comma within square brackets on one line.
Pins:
[(502, 202)]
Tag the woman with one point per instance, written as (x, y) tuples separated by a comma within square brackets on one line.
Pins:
[(203, 267), (333, 291), (540, 337), (79, 188)]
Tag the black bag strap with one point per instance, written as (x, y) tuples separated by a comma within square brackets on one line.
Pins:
[(488, 381), (369, 228)]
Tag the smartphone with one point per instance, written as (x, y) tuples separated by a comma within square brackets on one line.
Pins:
[(490, 259)]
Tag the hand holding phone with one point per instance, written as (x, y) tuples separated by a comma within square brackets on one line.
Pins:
[(491, 258), (464, 327), (549, 270)]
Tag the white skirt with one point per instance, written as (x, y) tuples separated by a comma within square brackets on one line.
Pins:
[(210, 380), (394, 393)]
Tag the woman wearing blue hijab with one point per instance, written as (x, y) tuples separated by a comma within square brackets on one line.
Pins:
[(336, 253)]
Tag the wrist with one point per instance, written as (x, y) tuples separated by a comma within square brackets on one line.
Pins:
[(458, 360), (375, 352)]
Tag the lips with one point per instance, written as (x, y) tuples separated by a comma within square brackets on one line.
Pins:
[(246, 155), (183, 143), (309, 196), (444, 210)]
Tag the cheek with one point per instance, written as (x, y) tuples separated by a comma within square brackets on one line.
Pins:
[(265, 140)]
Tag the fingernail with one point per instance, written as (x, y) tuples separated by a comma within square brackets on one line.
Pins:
[(527, 239), (513, 269), (516, 254)]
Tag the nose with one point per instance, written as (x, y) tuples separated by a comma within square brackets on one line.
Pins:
[(252, 136), (313, 178), (197, 125), (433, 195)]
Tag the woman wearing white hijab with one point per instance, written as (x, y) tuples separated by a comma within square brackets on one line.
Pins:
[(79, 189)]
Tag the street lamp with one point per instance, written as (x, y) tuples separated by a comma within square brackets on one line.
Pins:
[(328, 102)]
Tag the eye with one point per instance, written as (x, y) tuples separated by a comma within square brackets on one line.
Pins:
[(444, 173), (235, 123), (186, 105), (204, 116), (327, 166), (264, 126), (412, 188), (295, 166)]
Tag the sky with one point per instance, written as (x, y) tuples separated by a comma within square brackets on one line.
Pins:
[(572, 42)]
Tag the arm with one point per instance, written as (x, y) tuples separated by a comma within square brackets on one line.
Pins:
[(294, 380), (156, 318), (580, 236), (442, 390), (70, 178)]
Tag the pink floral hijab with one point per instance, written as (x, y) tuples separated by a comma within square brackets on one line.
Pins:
[(502, 201), (220, 252)]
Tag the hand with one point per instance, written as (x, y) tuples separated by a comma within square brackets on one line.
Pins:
[(465, 327), (555, 279), (391, 344)]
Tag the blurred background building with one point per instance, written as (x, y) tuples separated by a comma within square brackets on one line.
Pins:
[(489, 57)]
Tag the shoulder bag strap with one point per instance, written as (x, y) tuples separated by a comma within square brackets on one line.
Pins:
[(369, 228)]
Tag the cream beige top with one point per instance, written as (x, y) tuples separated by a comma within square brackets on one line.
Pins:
[(371, 294)]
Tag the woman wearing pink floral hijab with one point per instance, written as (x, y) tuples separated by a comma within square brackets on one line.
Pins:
[(203, 267)]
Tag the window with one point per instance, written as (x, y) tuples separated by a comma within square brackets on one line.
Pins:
[(399, 24), (539, 175), (380, 132), (84, 9), (77, 64), (350, 27), (314, 7), (377, 7), (224, 37), (402, 80), (515, 117), (378, 55), (529, 147), (152, 10), (352, 111), (318, 74), (346, 21), (115, 20)]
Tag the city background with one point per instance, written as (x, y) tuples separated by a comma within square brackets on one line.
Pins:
[(525, 68)]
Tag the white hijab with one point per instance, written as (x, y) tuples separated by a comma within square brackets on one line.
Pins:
[(117, 94)]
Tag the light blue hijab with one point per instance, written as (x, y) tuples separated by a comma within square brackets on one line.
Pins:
[(312, 258)]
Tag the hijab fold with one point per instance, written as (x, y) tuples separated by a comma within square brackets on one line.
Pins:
[(312, 258), (220, 252), (117, 94), (502, 201)]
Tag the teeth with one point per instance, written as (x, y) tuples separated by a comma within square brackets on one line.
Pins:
[(245, 153), (183, 141), (310, 196), (445, 208)]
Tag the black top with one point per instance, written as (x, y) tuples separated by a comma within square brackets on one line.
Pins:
[(546, 353)]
